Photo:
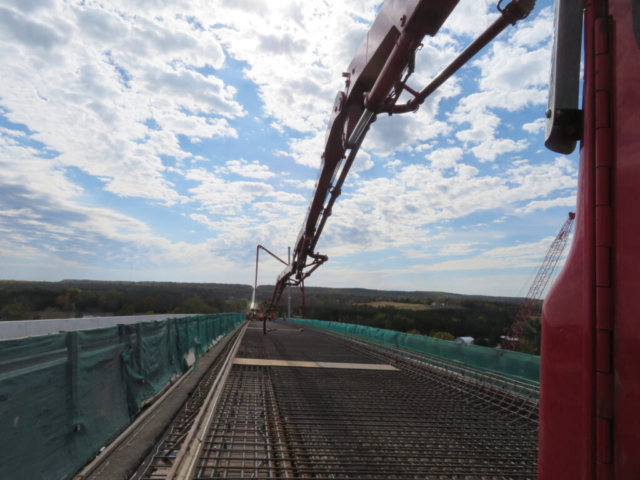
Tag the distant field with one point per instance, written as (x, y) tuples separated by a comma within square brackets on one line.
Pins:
[(407, 306), (410, 306)]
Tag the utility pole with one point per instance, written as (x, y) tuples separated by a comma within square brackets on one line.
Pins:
[(255, 285)]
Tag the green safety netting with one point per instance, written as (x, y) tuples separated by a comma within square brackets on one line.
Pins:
[(65, 396), (519, 366)]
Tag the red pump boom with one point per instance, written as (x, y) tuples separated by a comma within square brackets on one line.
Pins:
[(374, 80)]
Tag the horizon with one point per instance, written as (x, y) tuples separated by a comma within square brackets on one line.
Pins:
[(259, 285)]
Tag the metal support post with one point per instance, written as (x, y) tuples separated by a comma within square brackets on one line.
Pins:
[(73, 355)]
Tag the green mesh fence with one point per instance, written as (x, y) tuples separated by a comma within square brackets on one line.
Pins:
[(65, 396), (519, 366)]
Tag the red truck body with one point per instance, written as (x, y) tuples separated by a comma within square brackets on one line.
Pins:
[(590, 378)]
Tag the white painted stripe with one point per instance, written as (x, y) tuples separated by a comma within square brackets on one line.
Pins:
[(290, 363)]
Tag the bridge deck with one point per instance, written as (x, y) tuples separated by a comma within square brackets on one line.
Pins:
[(297, 422)]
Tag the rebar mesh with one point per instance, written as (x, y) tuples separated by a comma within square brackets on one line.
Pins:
[(520, 400), (424, 421)]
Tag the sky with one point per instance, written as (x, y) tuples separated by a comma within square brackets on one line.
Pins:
[(162, 140)]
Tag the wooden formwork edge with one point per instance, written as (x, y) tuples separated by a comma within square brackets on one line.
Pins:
[(188, 455)]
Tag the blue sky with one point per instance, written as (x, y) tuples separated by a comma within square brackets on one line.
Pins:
[(165, 139)]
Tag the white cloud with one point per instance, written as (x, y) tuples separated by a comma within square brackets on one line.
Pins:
[(569, 201), (314, 40), (519, 256), (308, 150), (471, 17), (488, 150), (52, 225), (362, 163), (513, 75), (225, 198), (316, 44), (109, 92), (457, 249), (306, 184), (521, 61), (393, 164), (538, 125), (444, 158), (251, 170), (236, 237), (394, 212), (221, 197), (397, 133)]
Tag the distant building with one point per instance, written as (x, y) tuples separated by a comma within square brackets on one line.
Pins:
[(467, 340), (511, 339)]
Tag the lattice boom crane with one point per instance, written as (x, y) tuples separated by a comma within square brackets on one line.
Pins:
[(539, 284)]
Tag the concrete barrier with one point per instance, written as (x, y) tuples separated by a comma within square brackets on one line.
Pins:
[(31, 328)]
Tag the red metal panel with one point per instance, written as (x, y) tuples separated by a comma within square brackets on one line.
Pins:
[(603, 184), (604, 251), (601, 24), (626, 199), (604, 219), (603, 72), (604, 308), (604, 355), (604, 471), (608, 235), (602, 106), (604, 432), (603, 266), (604, 390), (604, 147), (566, 386), (567, 409)]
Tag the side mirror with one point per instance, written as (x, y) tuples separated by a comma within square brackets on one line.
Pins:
[(564, 118)]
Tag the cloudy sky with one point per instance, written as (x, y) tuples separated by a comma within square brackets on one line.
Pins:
[(164, 139)]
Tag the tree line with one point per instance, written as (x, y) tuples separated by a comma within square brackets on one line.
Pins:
[(42, 300), (448, 316)]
